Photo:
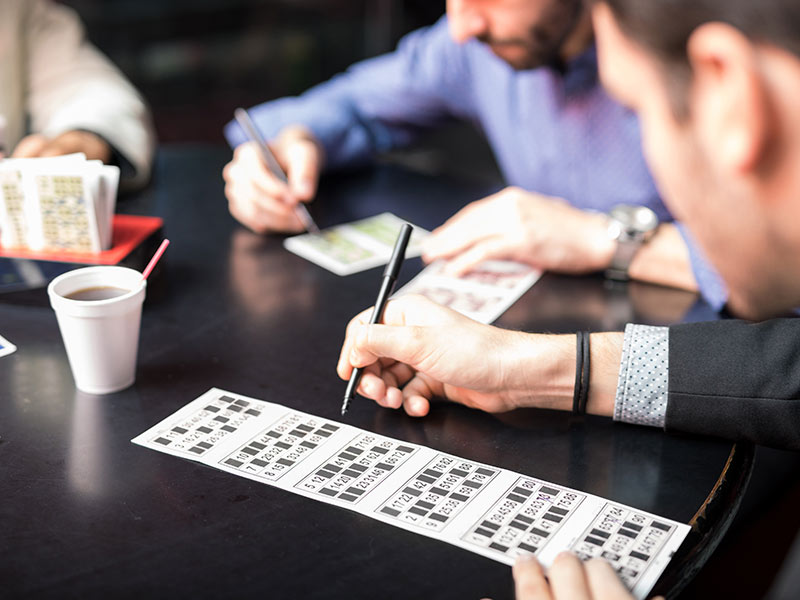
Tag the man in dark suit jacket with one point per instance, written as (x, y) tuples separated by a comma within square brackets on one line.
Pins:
[(721, 125), (715, 84)]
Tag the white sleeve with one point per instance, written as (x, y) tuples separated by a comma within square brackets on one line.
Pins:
[(73, 86)]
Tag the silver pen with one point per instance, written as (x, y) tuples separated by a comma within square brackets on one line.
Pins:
[(244, 120)]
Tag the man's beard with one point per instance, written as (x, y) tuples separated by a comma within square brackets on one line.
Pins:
[(543, 43), (528, 54)]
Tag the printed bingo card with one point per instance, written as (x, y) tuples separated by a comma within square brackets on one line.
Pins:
[(484, 509), (353, 247)]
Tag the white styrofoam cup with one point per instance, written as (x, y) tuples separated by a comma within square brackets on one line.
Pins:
[(101, 336)]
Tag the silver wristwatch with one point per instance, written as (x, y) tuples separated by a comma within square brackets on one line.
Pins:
[(630, 226)]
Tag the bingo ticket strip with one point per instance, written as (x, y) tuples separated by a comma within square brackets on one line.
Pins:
[(435, 495), (67, 216), (358, 468), (274, 451), (626, 538), (484, 509), (14, 229), (525, 518), (204, 428), (483, 294)]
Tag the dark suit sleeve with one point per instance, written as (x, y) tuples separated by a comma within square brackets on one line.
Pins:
[(736, 380)]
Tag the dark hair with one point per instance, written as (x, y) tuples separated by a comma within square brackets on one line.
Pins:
[(664, 26)]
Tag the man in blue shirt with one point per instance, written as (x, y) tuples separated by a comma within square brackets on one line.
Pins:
[(525, 73)]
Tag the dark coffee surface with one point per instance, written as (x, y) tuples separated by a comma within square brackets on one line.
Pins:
[(97, 293)]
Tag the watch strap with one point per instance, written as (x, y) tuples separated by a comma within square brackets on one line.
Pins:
[(622, 259)]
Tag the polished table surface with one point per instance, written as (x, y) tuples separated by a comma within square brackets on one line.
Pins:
[(86, 513)]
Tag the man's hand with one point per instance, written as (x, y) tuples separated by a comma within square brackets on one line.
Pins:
[(69, 142), (569, 579), (424, 350), (261, 201), (542, 231)]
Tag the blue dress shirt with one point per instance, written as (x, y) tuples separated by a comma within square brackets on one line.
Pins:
[(555, 133)]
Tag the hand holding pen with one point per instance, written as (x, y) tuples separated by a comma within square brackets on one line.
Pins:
[(261, 194), (388, 280)]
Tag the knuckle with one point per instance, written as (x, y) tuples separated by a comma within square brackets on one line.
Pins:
[(260, 227), (362, 336), (230, 195), (350, 329)]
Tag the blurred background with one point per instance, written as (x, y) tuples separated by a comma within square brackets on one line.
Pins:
[(197, 60)]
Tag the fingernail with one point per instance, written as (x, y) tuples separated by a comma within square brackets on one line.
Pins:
[(564, 555), (418, 406), (523, 560)]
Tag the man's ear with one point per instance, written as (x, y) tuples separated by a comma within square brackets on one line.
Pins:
[(729, 102)]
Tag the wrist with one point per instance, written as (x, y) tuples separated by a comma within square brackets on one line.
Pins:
[(602, 246), (665, 260), (606, 355), (543, 371)]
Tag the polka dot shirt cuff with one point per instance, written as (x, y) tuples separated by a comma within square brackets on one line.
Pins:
[(643, 376)]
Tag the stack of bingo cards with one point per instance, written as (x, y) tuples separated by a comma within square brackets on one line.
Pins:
[(56, 204)]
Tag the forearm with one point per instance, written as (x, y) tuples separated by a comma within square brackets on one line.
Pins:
[(664, 260)]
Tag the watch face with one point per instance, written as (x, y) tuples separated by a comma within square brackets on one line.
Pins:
[(634, 219)]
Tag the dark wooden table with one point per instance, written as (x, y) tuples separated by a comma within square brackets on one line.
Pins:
[(85, 513)]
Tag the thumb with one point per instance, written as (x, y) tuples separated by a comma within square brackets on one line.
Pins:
[(302, 168)]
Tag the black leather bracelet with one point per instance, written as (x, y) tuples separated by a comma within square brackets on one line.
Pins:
[(585, 372), (576, 394)]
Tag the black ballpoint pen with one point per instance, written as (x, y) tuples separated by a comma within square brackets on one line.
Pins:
[(249, 128), (387, 286)]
